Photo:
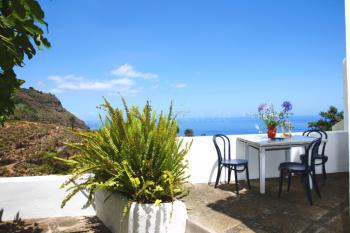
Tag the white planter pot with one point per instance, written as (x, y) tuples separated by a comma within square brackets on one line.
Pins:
[(141, 218)]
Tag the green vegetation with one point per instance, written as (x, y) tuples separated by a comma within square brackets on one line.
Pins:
[(46, 162), (20, 36), (23, 111), (329, 118), (36, 106), (189, 133), (72, 121), (135, 153), (2, 120)]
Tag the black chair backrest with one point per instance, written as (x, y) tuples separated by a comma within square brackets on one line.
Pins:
[(312, 151), (225, 153), (325, 136), (319, 133), (311, 132)]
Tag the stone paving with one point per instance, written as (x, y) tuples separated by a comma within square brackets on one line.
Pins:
[(55, 225), (221, 210)]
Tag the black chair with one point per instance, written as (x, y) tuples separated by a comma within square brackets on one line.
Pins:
[(224, 160), (305, 169), (321, 158)]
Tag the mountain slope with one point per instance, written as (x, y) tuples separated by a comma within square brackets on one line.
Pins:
[(36, 106), (30, 148)]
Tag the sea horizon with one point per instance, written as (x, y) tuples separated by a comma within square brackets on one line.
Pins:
[(209, 126)]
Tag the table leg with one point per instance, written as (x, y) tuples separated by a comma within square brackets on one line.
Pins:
[(310, 182), (246, 155), (262, 154), (288, 155)]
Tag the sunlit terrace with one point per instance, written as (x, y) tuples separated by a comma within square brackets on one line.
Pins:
[(137, 166)]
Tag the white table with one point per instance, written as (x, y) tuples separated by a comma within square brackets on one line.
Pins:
[(263, 144)]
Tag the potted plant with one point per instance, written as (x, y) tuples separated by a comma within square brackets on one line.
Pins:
[(273, 118), (133, 168)]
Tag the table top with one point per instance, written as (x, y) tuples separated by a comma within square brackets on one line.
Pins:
[(263, 141)]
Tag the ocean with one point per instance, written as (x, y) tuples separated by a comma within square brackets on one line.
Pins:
[(229, 125)]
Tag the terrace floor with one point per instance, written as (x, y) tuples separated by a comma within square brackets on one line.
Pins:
[(55, 225), (221, 210)]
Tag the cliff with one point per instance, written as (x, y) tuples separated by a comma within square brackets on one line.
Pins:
[(36, 106)]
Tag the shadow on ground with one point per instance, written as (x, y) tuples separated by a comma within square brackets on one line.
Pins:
[(221, 210), (18, 225), (53, 225)]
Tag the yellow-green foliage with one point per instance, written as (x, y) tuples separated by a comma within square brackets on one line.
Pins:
[(135, 153)]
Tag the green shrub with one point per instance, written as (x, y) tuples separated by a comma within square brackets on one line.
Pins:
[(25, 112), (46, 162), (135, 153), (2, 120), (328, 119), (189, 133)]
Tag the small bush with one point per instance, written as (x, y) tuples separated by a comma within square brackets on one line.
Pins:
[(46, 162), (135, 153), (2, 120), (25, 112), (189, 133), (328, 119)]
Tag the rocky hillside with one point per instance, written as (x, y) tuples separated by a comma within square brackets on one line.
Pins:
[(30, 148), (36, 106), (36, 135)]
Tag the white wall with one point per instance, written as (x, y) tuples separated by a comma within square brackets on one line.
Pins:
[(345, 96), (347, 70), (202, 157), (38, 197)]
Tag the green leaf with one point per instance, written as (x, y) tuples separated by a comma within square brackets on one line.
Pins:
[(18, 8), (35, 9), (157, 202), (20, 37)]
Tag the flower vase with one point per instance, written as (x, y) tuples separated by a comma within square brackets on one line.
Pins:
[(271, 133), (283, 127), (289, 129)]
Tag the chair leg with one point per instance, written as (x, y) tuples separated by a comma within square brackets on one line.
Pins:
[(229, 174), (307, 188), (247, 174), (280, 183), (324, 174), (314, 181), (289, 180), (218, 176), (236, 180)]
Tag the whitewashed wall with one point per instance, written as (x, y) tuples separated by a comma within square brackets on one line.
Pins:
[(39, 197), (202, 157)]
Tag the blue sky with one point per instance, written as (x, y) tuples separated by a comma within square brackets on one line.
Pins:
[(213, 58)]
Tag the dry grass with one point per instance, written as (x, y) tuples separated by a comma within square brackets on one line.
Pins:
[(28, 148)]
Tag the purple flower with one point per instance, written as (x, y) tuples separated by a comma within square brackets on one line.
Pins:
[(287, 106), (262, 107)]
